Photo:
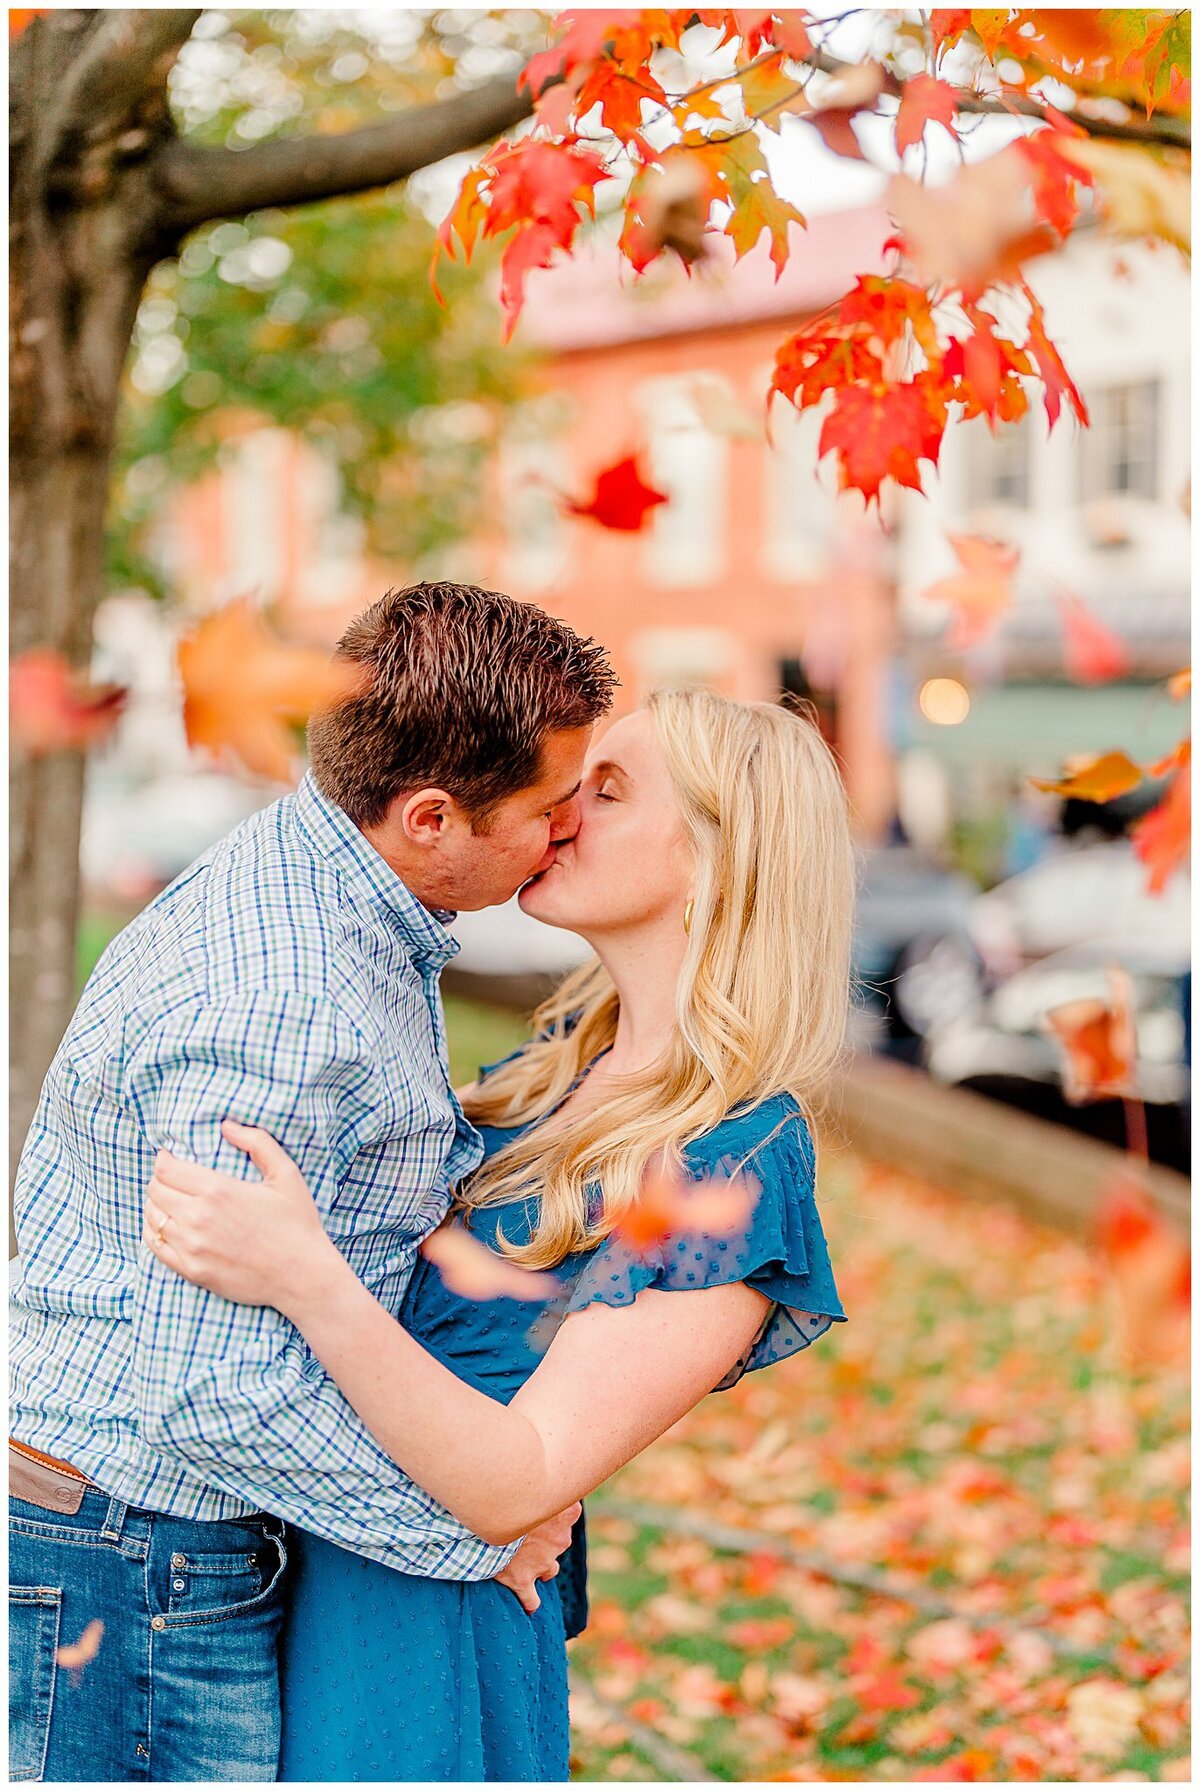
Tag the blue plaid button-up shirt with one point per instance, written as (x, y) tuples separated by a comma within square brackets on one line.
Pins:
[(288, 979)]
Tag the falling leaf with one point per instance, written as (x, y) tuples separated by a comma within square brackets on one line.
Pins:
[(1093, 777), (1139, 193), (76, 1655), (924, 100), (1092, 653), (1162, 838), (981, 591), (243, 687), (1179, 684), (1098, 1043), (853, 90), (473, 1271), (621, 499), (20, 17), (54, 709), (957, 234), (1180, 754), (668, 1205)]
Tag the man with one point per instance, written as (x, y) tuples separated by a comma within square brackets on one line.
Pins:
[(288, 978)]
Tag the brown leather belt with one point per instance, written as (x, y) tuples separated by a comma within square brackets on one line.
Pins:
[(44, 1480)]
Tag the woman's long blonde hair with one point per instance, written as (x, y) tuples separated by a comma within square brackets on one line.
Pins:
[(763, 993)]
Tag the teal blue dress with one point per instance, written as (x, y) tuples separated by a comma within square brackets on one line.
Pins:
[(390, 1677)]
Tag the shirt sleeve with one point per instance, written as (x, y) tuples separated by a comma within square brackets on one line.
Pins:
[(232, 1391), (780, 1250)]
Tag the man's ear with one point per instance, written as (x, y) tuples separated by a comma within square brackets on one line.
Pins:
[(425, 816)]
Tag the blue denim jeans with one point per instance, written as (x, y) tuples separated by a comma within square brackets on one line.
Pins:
[(185, 1684)]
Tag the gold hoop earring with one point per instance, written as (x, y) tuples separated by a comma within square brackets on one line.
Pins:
[(687, 915)]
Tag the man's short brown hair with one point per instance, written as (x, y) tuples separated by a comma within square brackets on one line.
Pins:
[(461, 688)]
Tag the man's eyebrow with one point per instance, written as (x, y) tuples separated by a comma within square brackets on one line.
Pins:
[(559, 800)]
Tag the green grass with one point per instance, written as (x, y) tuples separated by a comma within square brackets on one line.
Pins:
[(479, 1034)]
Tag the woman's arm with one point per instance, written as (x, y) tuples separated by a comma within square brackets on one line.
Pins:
[(613, 1379)]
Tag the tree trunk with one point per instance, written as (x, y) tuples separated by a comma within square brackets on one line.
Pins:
[(102, 188), (83, 236)]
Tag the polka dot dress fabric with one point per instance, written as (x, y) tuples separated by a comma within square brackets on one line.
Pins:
[(387, 1676)]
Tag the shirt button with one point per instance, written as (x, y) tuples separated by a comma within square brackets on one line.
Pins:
[(158, 1623), (178, 1560)]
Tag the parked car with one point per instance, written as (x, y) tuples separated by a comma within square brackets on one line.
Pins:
[(998, 1046), (910, 931), (1080, 895)]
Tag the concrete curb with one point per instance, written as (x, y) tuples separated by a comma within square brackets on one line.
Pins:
[(982, 1149)]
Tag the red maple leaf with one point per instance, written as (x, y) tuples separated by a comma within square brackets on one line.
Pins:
[(1056, 180), (54, 709), (621, 498), (1161, 839), (879, 432), (924, 100), (1056, 381), (980, 591), (1092, 653), (987, 369)]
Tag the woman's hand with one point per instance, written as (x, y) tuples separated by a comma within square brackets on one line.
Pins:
[(258, 1243)]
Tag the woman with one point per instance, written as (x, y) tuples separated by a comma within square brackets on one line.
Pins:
[(712, 875)]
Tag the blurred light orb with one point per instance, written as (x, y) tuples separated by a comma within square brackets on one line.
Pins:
[(944, 701)]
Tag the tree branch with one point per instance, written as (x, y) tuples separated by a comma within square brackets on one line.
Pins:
[(199, 184), (1163, 130), (126, 57)]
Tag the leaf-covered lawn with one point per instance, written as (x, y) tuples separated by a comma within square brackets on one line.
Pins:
[(972, 1434)]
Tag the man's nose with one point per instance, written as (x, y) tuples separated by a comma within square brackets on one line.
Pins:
[(564, 822)]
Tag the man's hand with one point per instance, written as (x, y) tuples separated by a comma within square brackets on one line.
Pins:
[(537, 1557)]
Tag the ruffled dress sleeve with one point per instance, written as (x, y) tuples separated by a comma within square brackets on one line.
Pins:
[(780, 1251)]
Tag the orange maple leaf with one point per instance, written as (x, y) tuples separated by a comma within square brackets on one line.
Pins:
[(76, 1655), (924, 100), (472, 1270), (1092, 653), (21, 16), (981, 591), (1179, 684), (1093, 777), (54, 709), (621, 498), (808, 364), (1098, 1043), (243, 687), (668, 1205)]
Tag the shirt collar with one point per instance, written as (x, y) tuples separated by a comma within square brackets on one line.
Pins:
[(368, 876)]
